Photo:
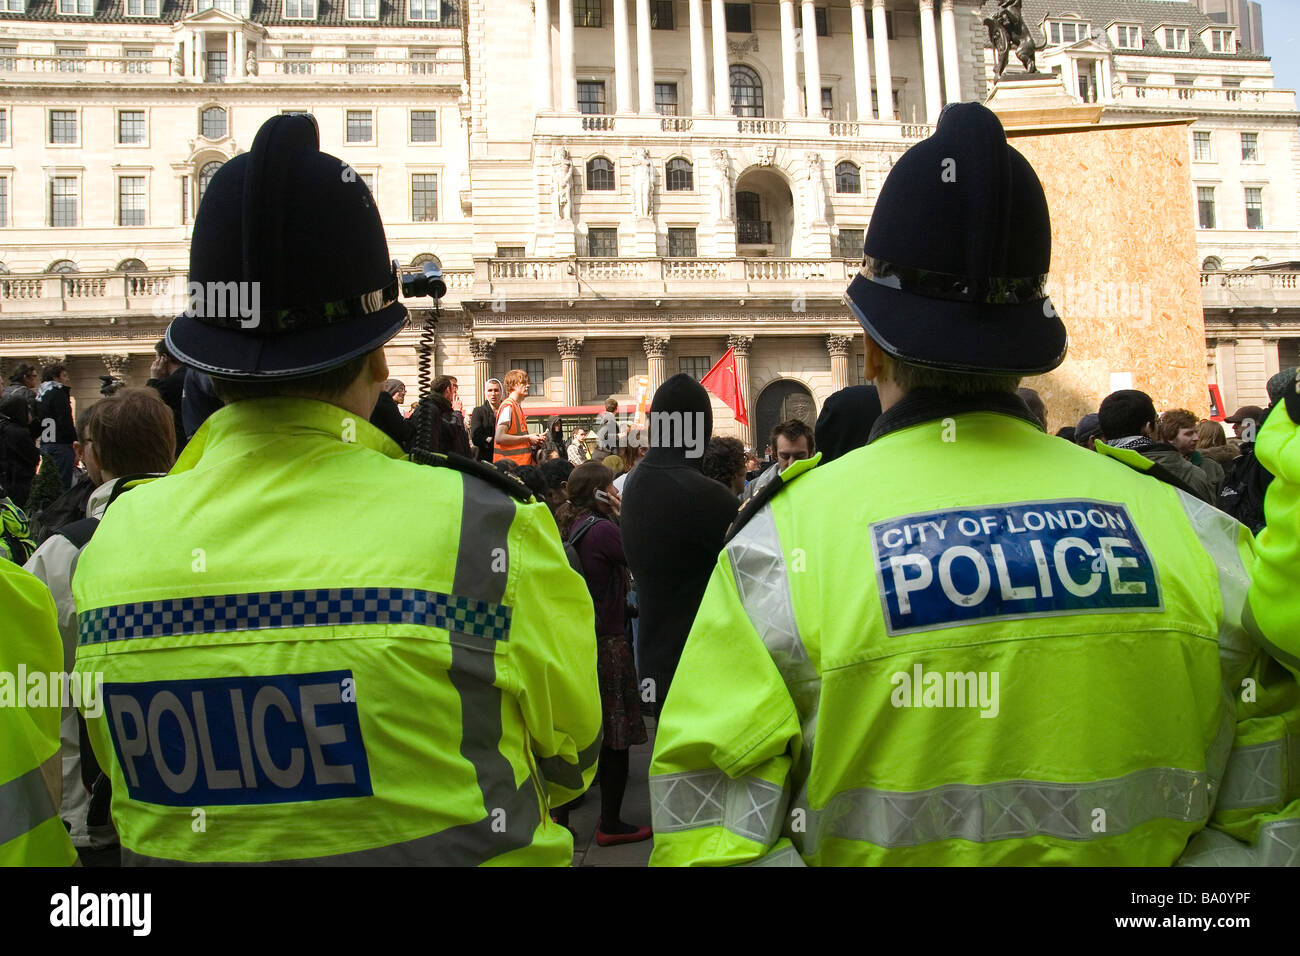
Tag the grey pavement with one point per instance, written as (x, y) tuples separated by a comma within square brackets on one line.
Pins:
[(636, 810)]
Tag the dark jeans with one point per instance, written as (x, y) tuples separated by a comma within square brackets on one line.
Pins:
[(64, 457)]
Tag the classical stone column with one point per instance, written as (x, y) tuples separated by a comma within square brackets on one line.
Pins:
[(570, 353), (721, 67), (930, 62), (951, 65), (861, 61), (241, 54), (568, 68), (699, 69), (789, 63), (839, 347), (742, 344), (656, 352), (645, 59), (622, 58), (200, 55), (812, 64), (542, 79), (884, 76), (482, 350)]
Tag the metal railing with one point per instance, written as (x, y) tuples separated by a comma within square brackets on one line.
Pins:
[(753, 233)]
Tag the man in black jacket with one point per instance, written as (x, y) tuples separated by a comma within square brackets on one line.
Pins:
[(483, 422), (167, 378), (449, 435), (54, 412), (18, 454), (672, 558)]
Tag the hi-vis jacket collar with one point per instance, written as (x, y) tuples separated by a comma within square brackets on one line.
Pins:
[(249, 425), (926, 405)]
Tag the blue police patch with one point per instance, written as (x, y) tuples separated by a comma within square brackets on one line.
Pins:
[(1033, 559), (239, 740)]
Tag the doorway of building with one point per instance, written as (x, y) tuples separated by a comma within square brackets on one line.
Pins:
[(779, 402)]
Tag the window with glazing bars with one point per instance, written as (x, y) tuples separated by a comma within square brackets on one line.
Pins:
[(850, 243), (666, 99), (600, 174), (130, 201), (848, 179), (424, 197), (661, 15), (586, 13), (681, 243), (424, 126), (738, 18), (591, 97), (611, 376), (1254, 207), (360, 126), (681, 175), (696, 366), (602, 244), (63, 126), (63, 201)]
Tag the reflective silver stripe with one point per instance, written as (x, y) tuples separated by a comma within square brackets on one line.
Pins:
[(748, 806), (786, 856), (1276, 844), (24, 805), (558, 770), (1255, 776), (1010, 810)]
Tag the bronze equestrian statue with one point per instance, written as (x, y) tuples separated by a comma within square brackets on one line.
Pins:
[(1008, 31)]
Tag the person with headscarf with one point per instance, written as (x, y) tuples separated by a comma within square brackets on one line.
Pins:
[(555, 441), (671, 558), (387, 417)]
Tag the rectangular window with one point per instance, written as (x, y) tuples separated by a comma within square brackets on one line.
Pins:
[(142, 8), (7, 54), (534, 368), (422, 61), (1130, 38), (130, 201), (4, 125), (828, 102), (216, 66), (666, 99), (300, 9), (1232, 82), (1205, 206), (137, 60), (363, 9), (586, 13), (63, 201), (611, 376), (823, 22), (696, 366), (510, 252), (424, 126), (63, 127), (1068, 31), (1184, 81), (889, 25), (1254, 207), (130, 127), (369, 180), (4, 201), (1250, 147), (591, 97), (681, 243), (360, 126), (424, 197), (424, 10), (301, 64), (739, 19), (602, 244), (185, 200), (13, 6), (81, 7), (1201, 150), (361, 61), (1176, 38), (851, 242), (661, 15), (1223, 41), (69, 57)]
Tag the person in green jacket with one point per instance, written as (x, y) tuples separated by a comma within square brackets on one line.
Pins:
[(312, 649), (1008, 650)]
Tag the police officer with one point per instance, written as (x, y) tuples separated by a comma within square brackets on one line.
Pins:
[(327, 653), (1010, 651)]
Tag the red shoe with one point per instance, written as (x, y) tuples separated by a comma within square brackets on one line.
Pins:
[(617, 839)]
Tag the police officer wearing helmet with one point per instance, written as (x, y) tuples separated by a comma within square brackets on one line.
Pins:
[(333, 655), (1011, 651)]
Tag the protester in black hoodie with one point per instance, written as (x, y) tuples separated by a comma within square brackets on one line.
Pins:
[(846, 421), (18, 454), (671, 558)]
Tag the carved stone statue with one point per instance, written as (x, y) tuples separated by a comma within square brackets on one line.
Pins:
[(250, 65), (643, 184), (721, 184), (814, 190), (178, 63), (1008, 31), (562, 183)]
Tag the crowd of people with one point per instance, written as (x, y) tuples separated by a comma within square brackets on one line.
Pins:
[(449, 654)]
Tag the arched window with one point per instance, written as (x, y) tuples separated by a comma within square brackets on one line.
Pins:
[(131, 265), (213, 125), (205, 176), (746, 92), (1212, 264), (600, 174), (424, 257), (847, 178), (62, 267), (681, 174)]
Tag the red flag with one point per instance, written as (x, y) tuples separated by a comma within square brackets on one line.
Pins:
[(723, 382)]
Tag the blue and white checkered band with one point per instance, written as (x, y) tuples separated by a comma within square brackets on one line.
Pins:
[(989, 290), (276, 609)]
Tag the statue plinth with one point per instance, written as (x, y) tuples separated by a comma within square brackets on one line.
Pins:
[(1032, 100)]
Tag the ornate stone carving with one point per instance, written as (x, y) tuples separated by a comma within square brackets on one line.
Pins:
[(741, 343), (814, 191), (482, 349), (569, 348), (643, 184), (562, 184), (117, 364), (52, 358), (250, 65), (765, 153), (721, 184), (839, 344), (738, 48), (178, 63), (655, 346)]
